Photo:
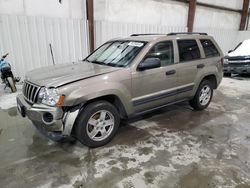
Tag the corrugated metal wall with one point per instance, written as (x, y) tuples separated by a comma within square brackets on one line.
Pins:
[(107, 30), (227, 39), (243, 35), (27, 40)]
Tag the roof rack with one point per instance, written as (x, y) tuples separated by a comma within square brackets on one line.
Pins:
[(169, 34), (187, 33), (134, 35)]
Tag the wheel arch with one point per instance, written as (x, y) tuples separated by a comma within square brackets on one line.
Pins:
[(111, 98), (212, 78)]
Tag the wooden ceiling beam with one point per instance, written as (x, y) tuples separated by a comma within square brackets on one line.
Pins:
[(191, 15), (244, 14), (90, 18)]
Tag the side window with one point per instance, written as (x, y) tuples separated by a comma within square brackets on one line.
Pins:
[(188, 50), (163, 51), (209, 48)]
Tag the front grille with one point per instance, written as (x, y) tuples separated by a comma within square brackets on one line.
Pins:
[(30, 92), (239, 58), (239, 64)]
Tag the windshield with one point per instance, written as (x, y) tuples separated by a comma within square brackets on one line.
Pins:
[(116, 53)]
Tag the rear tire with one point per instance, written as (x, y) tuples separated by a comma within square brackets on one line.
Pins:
[(227, 74), (97, 124), (11, 84), (203, 96)]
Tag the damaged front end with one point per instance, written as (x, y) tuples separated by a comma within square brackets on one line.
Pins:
[(53, 121)]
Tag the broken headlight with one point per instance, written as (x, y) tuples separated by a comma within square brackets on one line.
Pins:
[(48, 96)]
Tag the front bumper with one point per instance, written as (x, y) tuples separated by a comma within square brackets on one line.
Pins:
[(237, 69), (60, 124)]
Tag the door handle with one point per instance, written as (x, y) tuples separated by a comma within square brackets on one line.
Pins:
[(170, 72), (200, 66)]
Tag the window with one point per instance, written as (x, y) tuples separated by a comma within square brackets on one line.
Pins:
[(188, 50), (163, 51), (209, 48)]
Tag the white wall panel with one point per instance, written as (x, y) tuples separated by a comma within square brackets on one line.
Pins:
[(27, 40), (49, 8), (226, 38), (105, 31), (235, 4), (212, 18), (243, 35), (167, 12), (157, 12), (11, 6)]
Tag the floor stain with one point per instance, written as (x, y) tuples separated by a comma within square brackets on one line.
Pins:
[(12, 111), (150, 176), (174, 147), (195, 179)]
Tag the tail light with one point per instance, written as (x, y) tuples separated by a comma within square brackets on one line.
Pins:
[(222, 62)]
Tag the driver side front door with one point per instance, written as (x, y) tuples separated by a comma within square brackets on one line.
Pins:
[(155, 87)]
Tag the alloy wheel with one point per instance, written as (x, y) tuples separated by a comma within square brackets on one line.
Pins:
[(100, 125)]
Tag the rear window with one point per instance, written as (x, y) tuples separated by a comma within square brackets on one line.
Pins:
[(209, 48), (188, 50)]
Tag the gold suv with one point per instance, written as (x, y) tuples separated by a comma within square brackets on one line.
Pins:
[(122, 78)]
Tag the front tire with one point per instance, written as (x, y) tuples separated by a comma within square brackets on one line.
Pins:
[(203, 96), (11, 84), (97, 124)]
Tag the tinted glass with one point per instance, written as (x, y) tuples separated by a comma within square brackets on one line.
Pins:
[(163, 51), (117, 53), (209, 48), (188, 50)]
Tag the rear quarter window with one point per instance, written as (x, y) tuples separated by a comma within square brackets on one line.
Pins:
[(209, 48), (188, 50)]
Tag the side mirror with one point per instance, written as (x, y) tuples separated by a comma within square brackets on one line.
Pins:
[(149, 63), (230, 51)]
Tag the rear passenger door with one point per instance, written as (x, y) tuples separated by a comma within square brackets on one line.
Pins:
[(212, 55), (190, 63)]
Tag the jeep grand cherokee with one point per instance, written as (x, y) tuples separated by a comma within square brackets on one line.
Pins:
[(122, 78)]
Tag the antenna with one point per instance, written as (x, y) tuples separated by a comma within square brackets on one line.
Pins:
[(52, 55)]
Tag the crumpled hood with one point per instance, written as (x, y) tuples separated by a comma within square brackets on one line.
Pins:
[(58, 75)]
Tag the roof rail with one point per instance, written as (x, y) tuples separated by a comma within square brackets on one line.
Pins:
[(134, 35), (187, 33)]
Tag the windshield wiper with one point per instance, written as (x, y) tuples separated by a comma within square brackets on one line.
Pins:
[(107, 64), (115, 65), (98, 62)]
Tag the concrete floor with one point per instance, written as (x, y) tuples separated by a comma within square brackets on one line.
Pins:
[(173, 147)]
